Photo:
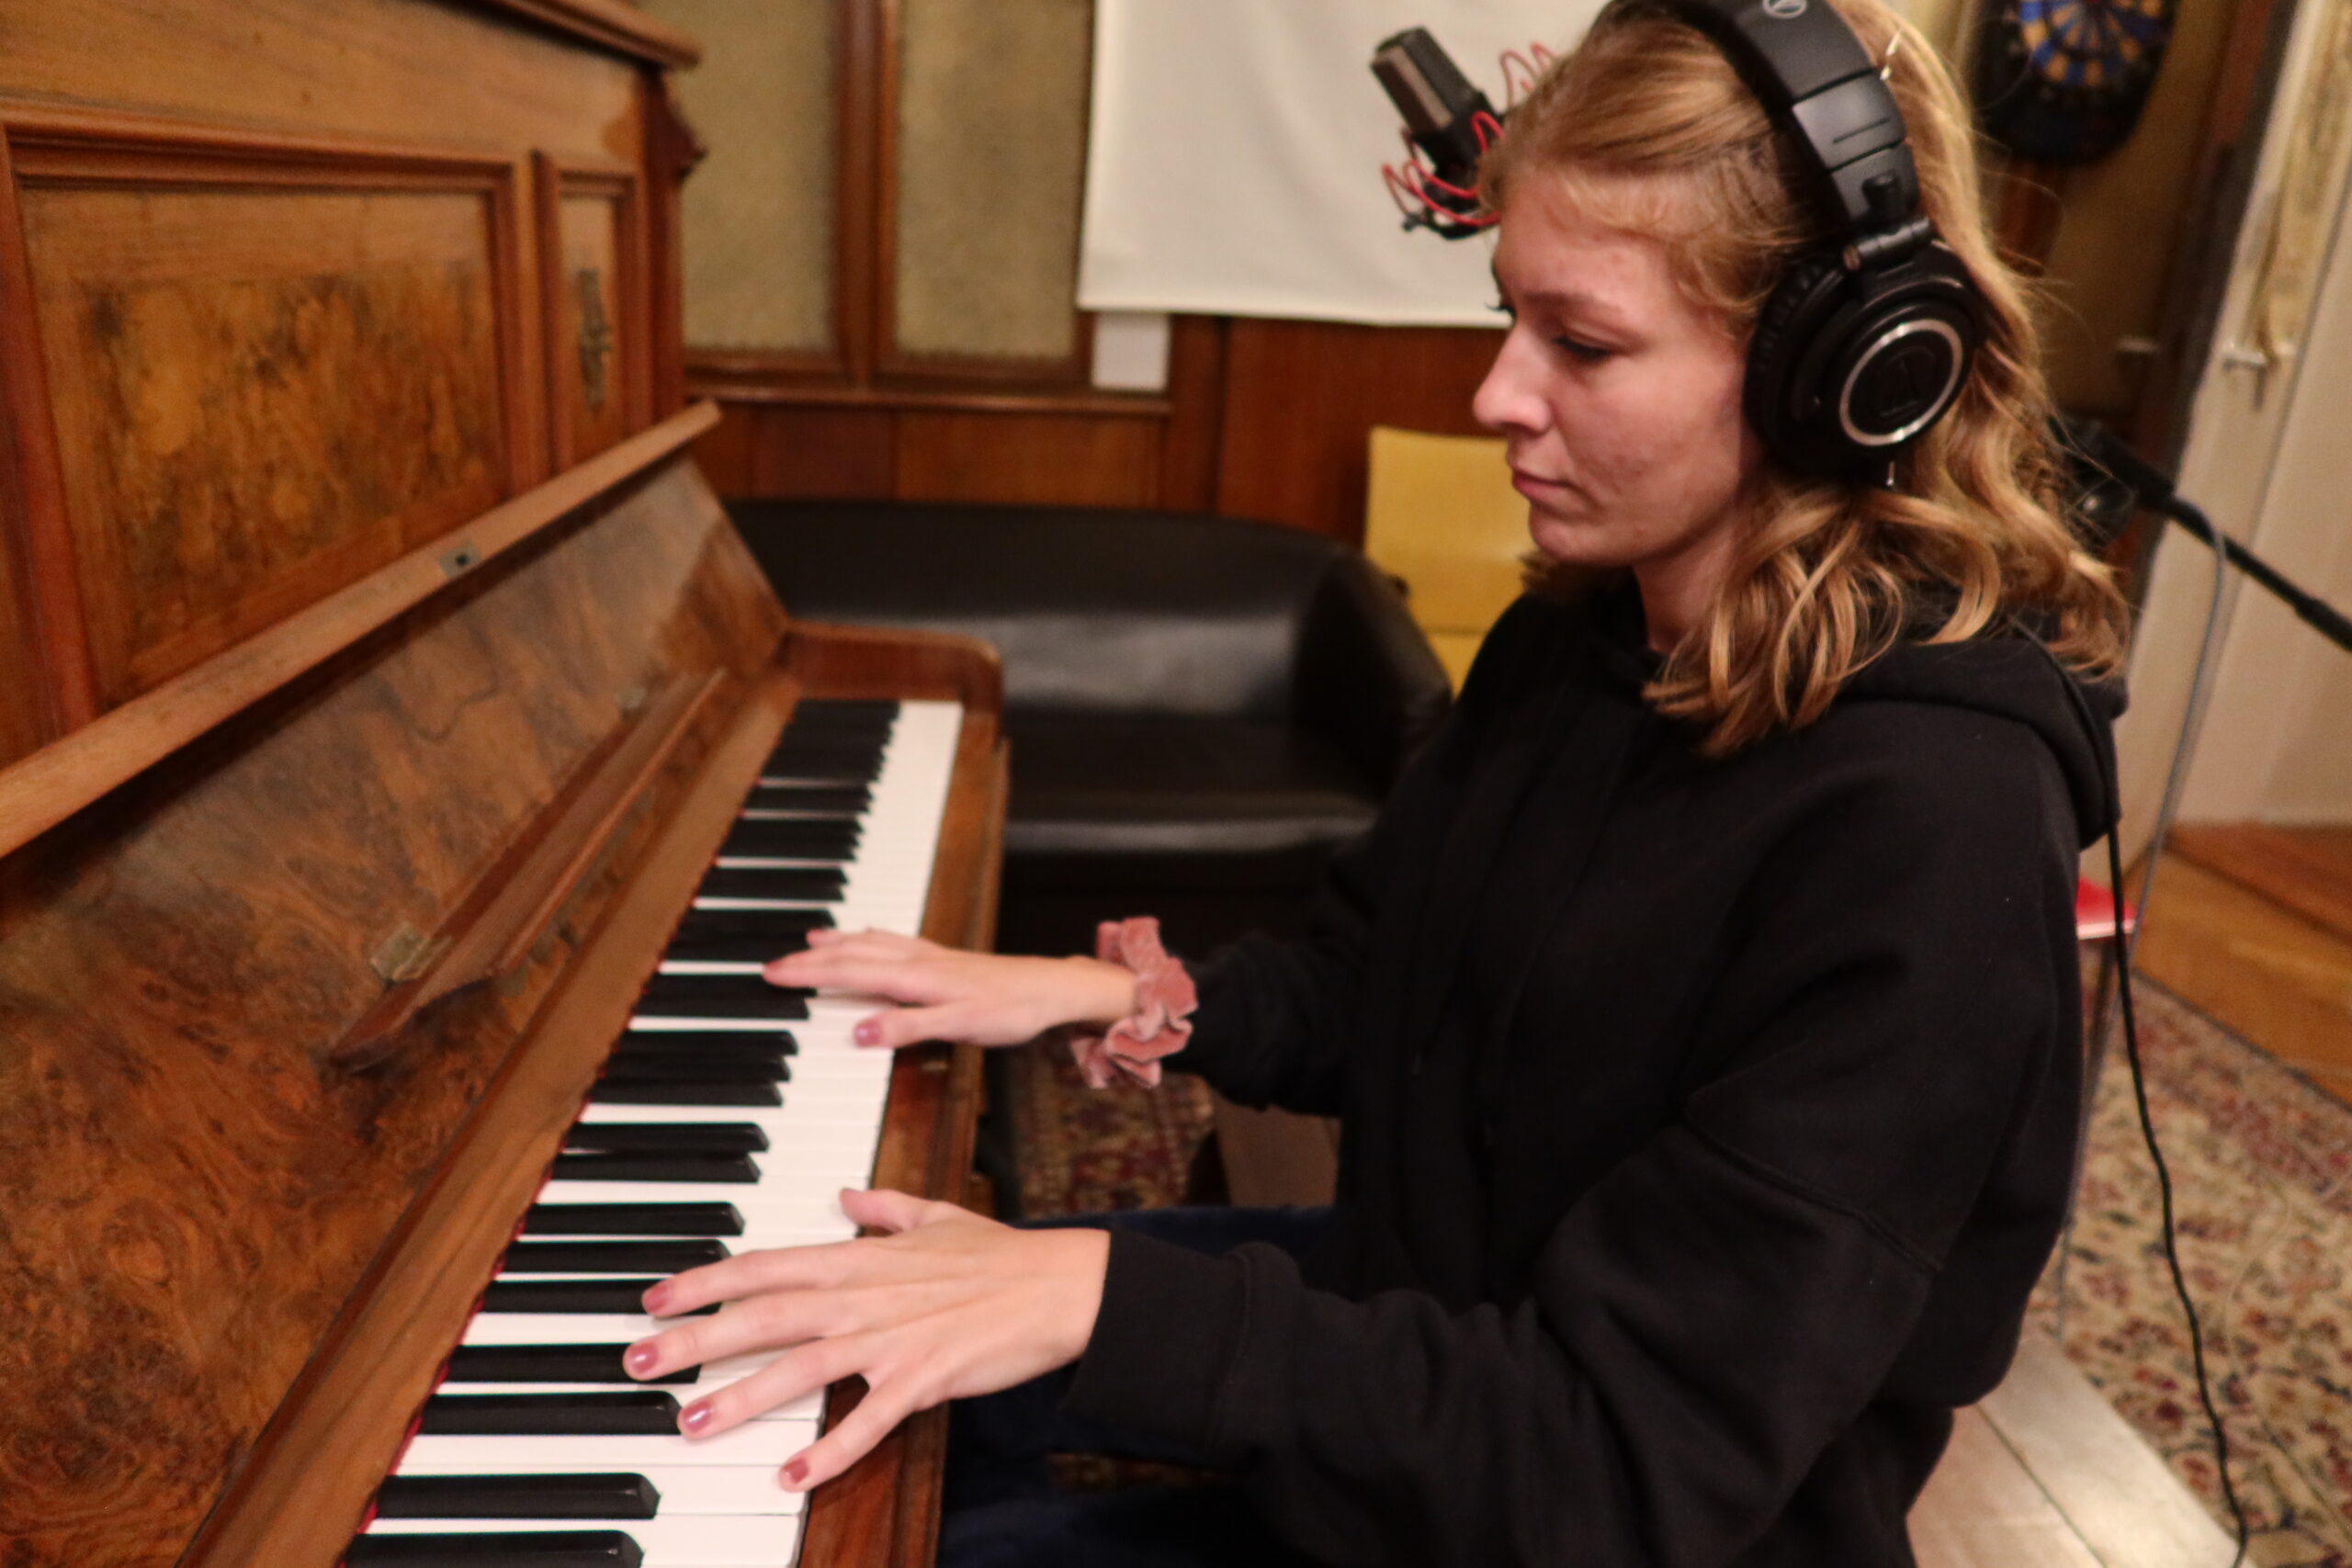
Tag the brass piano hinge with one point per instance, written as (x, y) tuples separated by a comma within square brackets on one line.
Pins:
[(407, 953)]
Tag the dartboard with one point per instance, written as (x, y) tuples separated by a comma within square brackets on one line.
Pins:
[(2064, 81)]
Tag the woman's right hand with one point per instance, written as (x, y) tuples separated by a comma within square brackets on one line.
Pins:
[(980, 998)]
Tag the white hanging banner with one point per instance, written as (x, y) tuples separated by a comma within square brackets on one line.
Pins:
[(1234, 164)]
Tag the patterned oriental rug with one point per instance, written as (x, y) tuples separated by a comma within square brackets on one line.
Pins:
[(2262, 1178), (2261, 1164)]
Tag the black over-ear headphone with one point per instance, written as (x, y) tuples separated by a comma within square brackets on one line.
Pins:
[(1868, 339)]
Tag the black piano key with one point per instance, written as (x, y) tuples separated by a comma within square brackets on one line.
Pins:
[(823, 764), (702, 923), (694, 1066), (734, 1043), (523, 1549), (753, 948), (805, 885), (617, 1413), (826, 758), (819, 710), (606, 1092), (571, 1295), (697, 1066), (650, 1165), (707, 1137), (665, 1257), (853, 800), (770, 839), (615, 1497), (550, 1363), (783, 805), (633, 1219), (722, 996)]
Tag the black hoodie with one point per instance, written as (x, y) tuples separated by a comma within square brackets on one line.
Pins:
[(1705, 1122)]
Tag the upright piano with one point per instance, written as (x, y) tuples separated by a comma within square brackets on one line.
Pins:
[(402, 768)]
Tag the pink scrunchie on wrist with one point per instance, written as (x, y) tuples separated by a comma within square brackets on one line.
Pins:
[(1162, 1021)]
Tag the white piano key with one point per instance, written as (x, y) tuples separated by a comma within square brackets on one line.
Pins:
[(760, 1541), (754, 1442), (660, 1022), (561, 1327), (782, 1126), (779, 1160), (571, 1328), (815, 1183), (840, 1228)]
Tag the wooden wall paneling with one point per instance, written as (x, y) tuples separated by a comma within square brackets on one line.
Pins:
[(63, 696), (1052, 459), (672, 151), (1302, 397), (230, 325), (1189, 448), (824, 453), (596, 314), (724, 453), (868, 39)]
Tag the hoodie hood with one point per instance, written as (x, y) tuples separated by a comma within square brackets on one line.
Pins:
[(2015, 677), (2010, 675)]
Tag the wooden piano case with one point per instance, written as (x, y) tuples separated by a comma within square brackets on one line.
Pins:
[(376, 676)]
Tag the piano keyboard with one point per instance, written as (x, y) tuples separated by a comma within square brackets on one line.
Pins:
[(727, 1117)]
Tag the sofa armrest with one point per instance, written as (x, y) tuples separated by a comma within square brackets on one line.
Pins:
[(1366, 678)]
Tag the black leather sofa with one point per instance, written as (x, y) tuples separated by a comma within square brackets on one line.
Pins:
[(1200, 708)]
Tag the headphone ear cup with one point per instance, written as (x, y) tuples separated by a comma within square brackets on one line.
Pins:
[(1848, 368), (1811, 294)]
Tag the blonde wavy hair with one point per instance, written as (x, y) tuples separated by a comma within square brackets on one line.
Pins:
[(1652, 131)]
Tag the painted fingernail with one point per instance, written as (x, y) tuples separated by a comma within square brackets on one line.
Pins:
[(657, 1298), (868, 1032), (639, 1360), (795, 1474), (697, 1418)]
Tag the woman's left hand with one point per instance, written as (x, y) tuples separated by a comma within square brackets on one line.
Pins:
[(948, 1305)]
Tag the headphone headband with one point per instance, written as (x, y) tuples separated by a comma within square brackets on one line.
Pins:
[(1812, 74)]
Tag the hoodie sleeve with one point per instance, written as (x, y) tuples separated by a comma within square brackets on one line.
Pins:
[(1273, 1022), (1715, 1312)]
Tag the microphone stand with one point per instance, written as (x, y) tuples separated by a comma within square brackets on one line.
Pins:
[(2098, 451)]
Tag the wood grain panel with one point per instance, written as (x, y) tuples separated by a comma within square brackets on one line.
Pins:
[(69, 773), (1071, 460), (25, 712), (175, 962), (472, 72), (596, 312), (1301, 399), (229, 333)]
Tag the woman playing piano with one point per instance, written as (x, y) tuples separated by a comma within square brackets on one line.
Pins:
[(1702, 1015)]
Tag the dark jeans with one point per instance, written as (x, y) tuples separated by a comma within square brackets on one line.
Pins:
[(1001, 1508)]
